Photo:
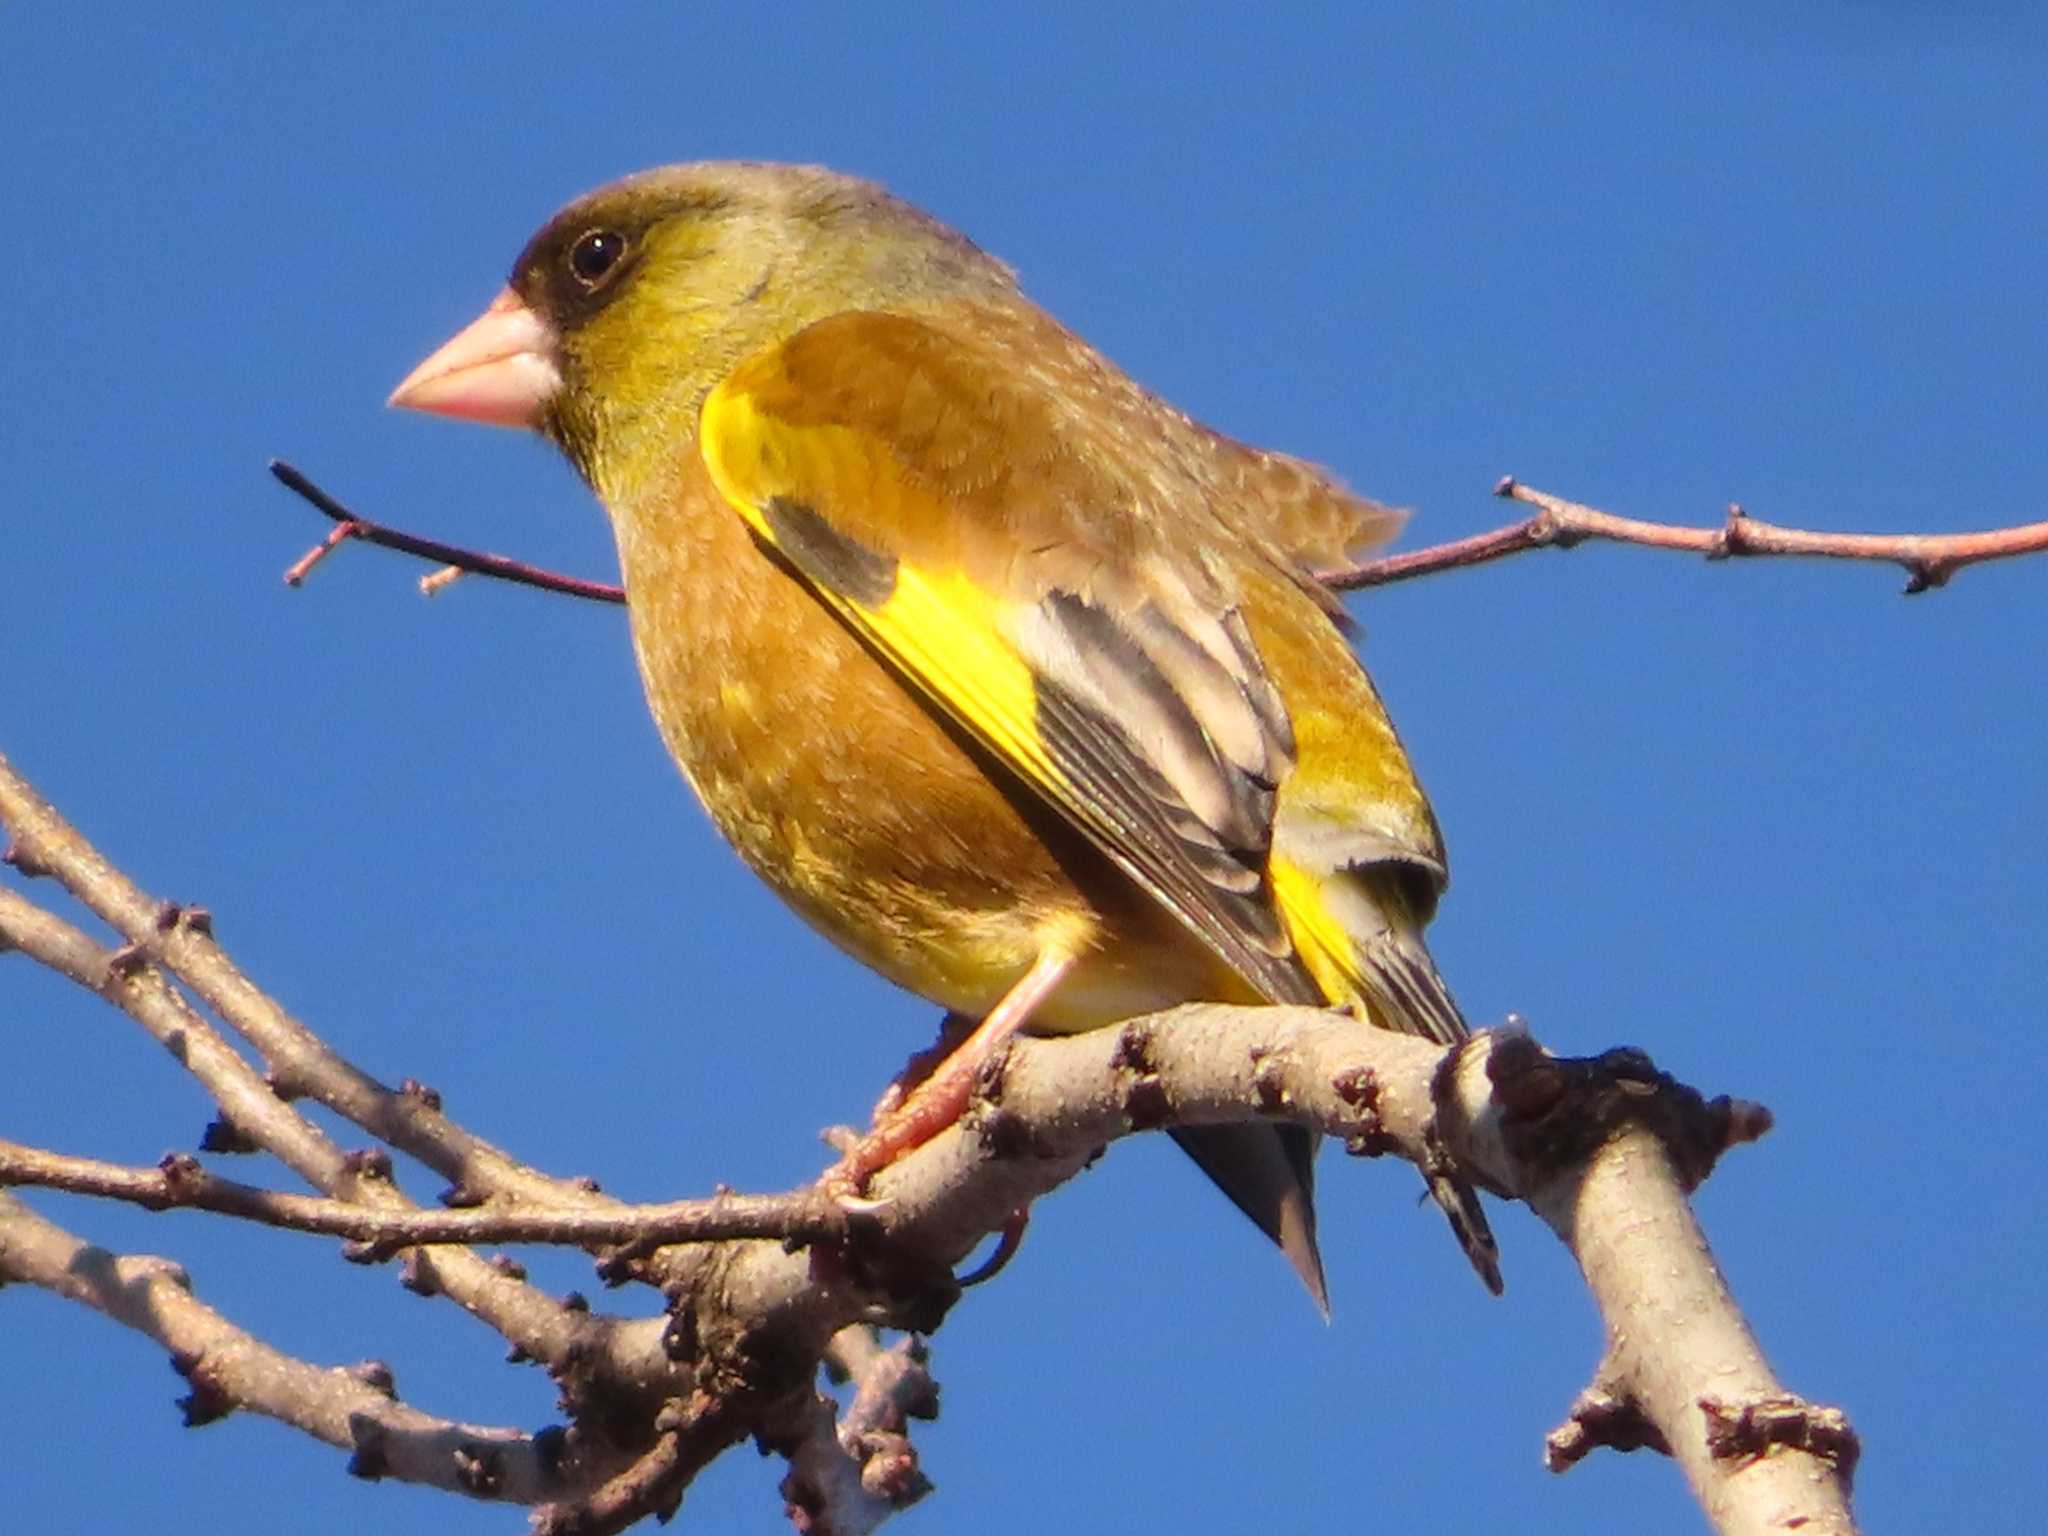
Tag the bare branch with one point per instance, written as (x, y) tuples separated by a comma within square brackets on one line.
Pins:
[(354, 1408), (847, 1477), (451, 557), (1684, 1357), (301, 1064), (824, 1491), (1605, 1150), (689, 1435), (846, 1480), (180, 1182), (1929, 559), (532, 1320), (139, 990)]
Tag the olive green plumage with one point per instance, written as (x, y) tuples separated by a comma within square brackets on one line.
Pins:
[(975, 650)]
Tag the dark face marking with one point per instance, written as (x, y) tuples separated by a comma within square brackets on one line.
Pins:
[(571, 269), (582, 257)]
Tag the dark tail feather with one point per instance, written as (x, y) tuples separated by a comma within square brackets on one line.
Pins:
[(1269, 1171), (1459, 1202), (1407, 993)]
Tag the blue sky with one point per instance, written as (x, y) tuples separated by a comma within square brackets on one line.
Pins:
[(1772, 822)]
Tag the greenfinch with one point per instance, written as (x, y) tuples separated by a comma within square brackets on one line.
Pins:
[(1014, 681)]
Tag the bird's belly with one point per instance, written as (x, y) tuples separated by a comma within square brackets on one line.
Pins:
[(866, 813)]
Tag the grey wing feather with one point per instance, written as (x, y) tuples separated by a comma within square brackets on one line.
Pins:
[(1179, 740)]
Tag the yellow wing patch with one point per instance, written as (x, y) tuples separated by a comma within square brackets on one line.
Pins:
[(943, 627), (1321, 940), (940, 626), (953, 639)]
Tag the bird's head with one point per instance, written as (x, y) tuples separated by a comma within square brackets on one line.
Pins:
[(633, 301)]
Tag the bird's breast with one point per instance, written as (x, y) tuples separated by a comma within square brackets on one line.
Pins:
[(860, 807)]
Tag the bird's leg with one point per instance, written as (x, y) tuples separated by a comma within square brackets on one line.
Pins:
[(953, 1029), (939, 1099)]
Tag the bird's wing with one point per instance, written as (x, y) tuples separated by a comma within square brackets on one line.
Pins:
[(1303, 515), (925, 492)]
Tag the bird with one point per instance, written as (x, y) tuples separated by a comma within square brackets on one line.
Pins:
[(1011, 679)]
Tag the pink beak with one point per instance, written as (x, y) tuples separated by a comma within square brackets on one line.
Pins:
[(500, 369)]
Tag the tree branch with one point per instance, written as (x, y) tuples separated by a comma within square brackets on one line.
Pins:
[(1605, 1150), (533, 1321), (181, 1182), (451, 557), (301, 1064), (849, 1475), (355, 1408), (1929, 559)]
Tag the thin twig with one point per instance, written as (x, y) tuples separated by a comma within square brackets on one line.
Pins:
[(355, 1408), (140, 991), (301, 1063), (350, 526), (535, 1322), (179, 1182), (1929, 559)]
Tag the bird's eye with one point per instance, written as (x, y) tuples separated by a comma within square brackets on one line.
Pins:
[(594, 255)]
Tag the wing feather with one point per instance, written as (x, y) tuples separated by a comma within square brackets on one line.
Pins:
[(1141, 716)]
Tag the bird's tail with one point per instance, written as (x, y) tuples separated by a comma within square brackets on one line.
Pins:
[(1359, 934)]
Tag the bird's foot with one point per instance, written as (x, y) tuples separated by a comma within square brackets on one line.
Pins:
[(954, 1029)]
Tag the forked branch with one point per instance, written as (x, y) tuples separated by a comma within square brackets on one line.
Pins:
[(1604, 1150)]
